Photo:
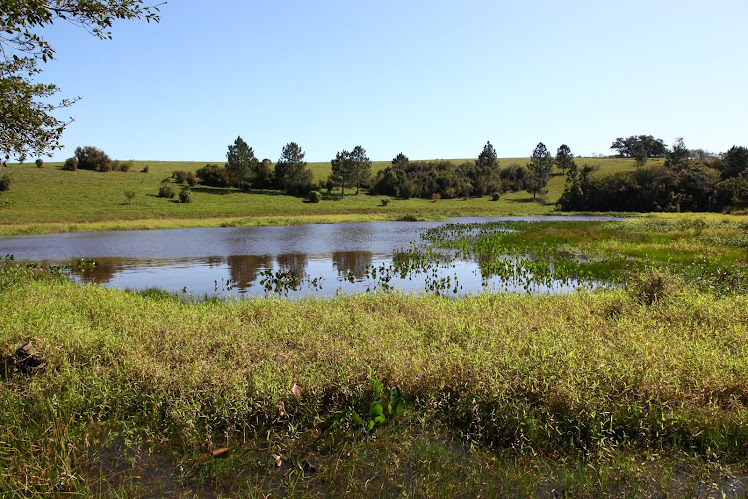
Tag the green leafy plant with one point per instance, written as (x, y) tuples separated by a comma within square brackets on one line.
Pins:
[(314, 196), (166, 191), (185, 195), (377, 415)]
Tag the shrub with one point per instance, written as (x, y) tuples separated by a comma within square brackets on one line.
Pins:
[(180, 176), (71, 164), (125, 166), (213, 175), (91, 158), (129, 195), (39, 163), (314, 196), (191, 179), (4, 181), (185, 195), (146, 169), (495, 196), (385, 201), (166, 191), (436, 197)]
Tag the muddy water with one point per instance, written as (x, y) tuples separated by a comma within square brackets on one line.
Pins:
[(237, 261)]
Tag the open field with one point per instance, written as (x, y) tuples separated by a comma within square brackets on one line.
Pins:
[(45, 200), (636, 391)]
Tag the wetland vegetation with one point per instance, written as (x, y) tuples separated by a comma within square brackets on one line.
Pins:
[(639, 389)]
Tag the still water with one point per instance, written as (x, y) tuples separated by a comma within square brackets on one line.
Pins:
[(238, 261)]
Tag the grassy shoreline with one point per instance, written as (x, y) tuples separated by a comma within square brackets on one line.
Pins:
[(636, 391)]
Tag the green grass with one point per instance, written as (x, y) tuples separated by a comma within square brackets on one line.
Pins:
[(590, 394), (44, 200)]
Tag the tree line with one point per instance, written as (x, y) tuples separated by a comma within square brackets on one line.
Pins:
[(712, 183)]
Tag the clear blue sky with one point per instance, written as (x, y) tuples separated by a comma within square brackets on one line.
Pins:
[(433, 79)]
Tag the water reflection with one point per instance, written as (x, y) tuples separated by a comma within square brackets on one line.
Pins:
[(244, 269), (352, 263), (329, 259), (293, 262)]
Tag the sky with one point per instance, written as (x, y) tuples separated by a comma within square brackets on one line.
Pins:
[(431, 79)]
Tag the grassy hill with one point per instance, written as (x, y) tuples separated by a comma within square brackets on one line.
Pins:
[(48, 199)]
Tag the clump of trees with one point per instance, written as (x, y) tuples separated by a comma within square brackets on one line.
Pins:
[(680, 184), (425, 179), (638, 146), (351, 169)]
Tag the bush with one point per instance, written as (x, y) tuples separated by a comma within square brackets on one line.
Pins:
[(213, 175), (495, 196), (125, 166), (180, 176), (385, 201), (129, 195), (191, 179), (185, 195), (314, 196), (166, 191), (4, 181), (71, 164), (146, 169), (436, 197), (39, 163), (91, 158)]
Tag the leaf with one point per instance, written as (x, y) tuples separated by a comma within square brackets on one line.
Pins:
[(296, 391), (379, 419), (370, 425), (376, 410), (356, 419), (377, 388), (278, 460)]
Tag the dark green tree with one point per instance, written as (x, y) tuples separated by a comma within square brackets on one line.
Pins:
[(27, 126), (734, 162), (487, 159), (291, 173), (361, 167), (655, 148), (540, 168), (92, 158), (639, 152), (242, 164), (342, 170), (677, 158), (401, 160), (564, 157)]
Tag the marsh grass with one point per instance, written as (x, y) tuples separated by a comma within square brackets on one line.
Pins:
[(589, 394), (583, 376)]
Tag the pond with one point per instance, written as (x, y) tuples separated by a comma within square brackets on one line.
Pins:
[(294, 261)]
